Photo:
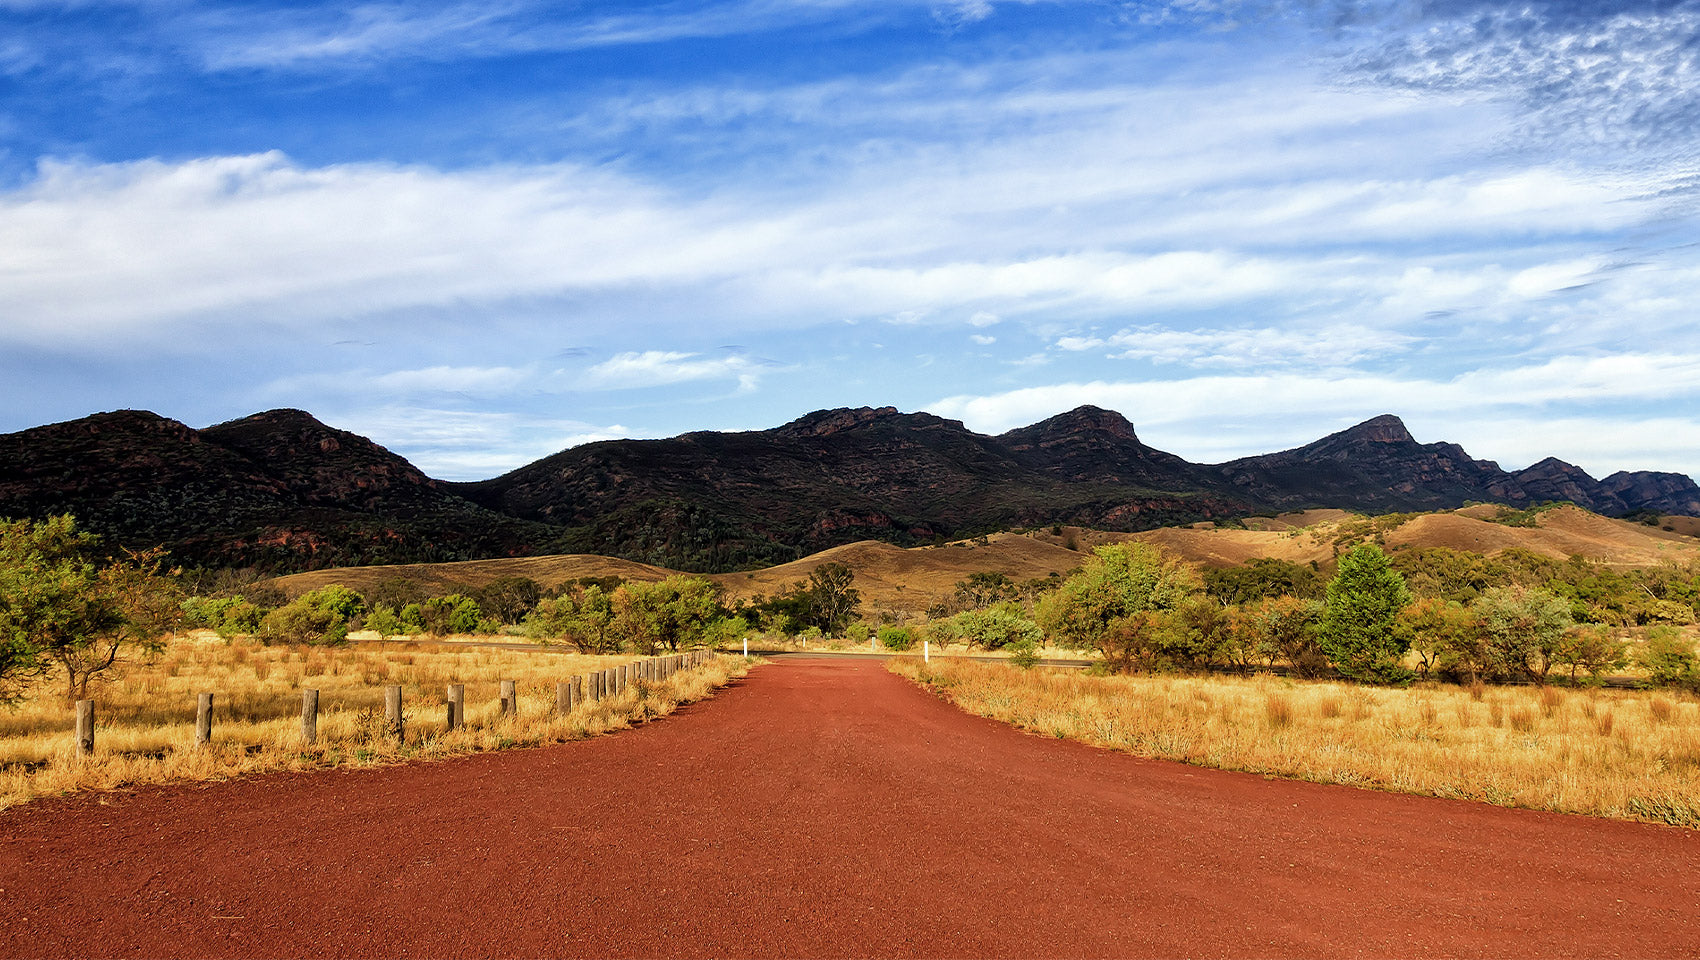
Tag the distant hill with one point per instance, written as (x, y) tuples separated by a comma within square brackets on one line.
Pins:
[(283, 491), (910, 580), (277, 489)]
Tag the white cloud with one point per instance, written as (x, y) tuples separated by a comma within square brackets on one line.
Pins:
[(1222, 417), (99, 251), (451, 444), (1335, 346), (982, 340), (652, 368)]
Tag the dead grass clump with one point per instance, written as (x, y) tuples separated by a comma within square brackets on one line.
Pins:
[(1522, 719), (1625, 763), (1603, 723)]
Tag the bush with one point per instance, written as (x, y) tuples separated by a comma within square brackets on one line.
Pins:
[(858, 632), (993, 628), (384, 622), (1669, 659), (1023, 653), (896, 638), (301, 622), (445, 616)]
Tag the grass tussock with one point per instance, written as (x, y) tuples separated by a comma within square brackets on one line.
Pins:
[(1610, 753), (144, 729)]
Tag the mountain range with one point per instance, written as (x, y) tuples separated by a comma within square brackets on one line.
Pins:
[(281, 491)]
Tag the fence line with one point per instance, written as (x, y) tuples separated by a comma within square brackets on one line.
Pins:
[(570, 694)]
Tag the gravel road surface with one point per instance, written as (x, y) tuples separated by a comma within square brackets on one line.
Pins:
[(827, 808)]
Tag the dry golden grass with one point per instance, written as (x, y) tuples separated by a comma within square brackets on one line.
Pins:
[(144, 730), (1624, 754)]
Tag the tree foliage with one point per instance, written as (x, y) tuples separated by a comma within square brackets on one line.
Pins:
[(63, 605), (1108, 599), (993, 628), (671, 614), (582, 615), (1359, 618)]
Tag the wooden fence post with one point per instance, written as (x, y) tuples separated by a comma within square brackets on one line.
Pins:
[(203, 720), (510, 700), (392, 712), (563, 697), (85, 727), (309, 717), (457, 706)]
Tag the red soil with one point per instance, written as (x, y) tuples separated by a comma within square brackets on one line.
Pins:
[(827, 808)]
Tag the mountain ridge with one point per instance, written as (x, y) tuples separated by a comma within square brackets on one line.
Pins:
[(282, 490)]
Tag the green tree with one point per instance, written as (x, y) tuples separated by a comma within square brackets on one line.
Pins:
[(1283, 630), (60, 605), (1360, 615), (1121, 582), (582, 615), (446, 616), (1669, 659), (1260, 579), (668, 614), (1524, 627), (832, 601), (508, 599), (1447, 638), (321, 616), (1592, 649), (383, 621)]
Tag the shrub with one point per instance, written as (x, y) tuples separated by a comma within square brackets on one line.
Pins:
[(896, 638), (858, 632), (1523, 627), (1283, 630), (444, 616), (1669, 659), (301, 622), (993, 628), (1023, 653), (673, 613)]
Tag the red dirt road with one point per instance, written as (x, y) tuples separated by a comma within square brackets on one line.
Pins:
[(827, 809)]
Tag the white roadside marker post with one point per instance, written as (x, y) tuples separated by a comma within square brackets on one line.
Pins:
[(926, 651)]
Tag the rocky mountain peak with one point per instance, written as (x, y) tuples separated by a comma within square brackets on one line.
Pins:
[(1086, 419), (825, 423), (1386, 428)]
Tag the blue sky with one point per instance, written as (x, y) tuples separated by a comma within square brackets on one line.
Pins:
[(481, 232)]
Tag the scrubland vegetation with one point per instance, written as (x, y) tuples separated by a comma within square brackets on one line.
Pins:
[(1614, 753)]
